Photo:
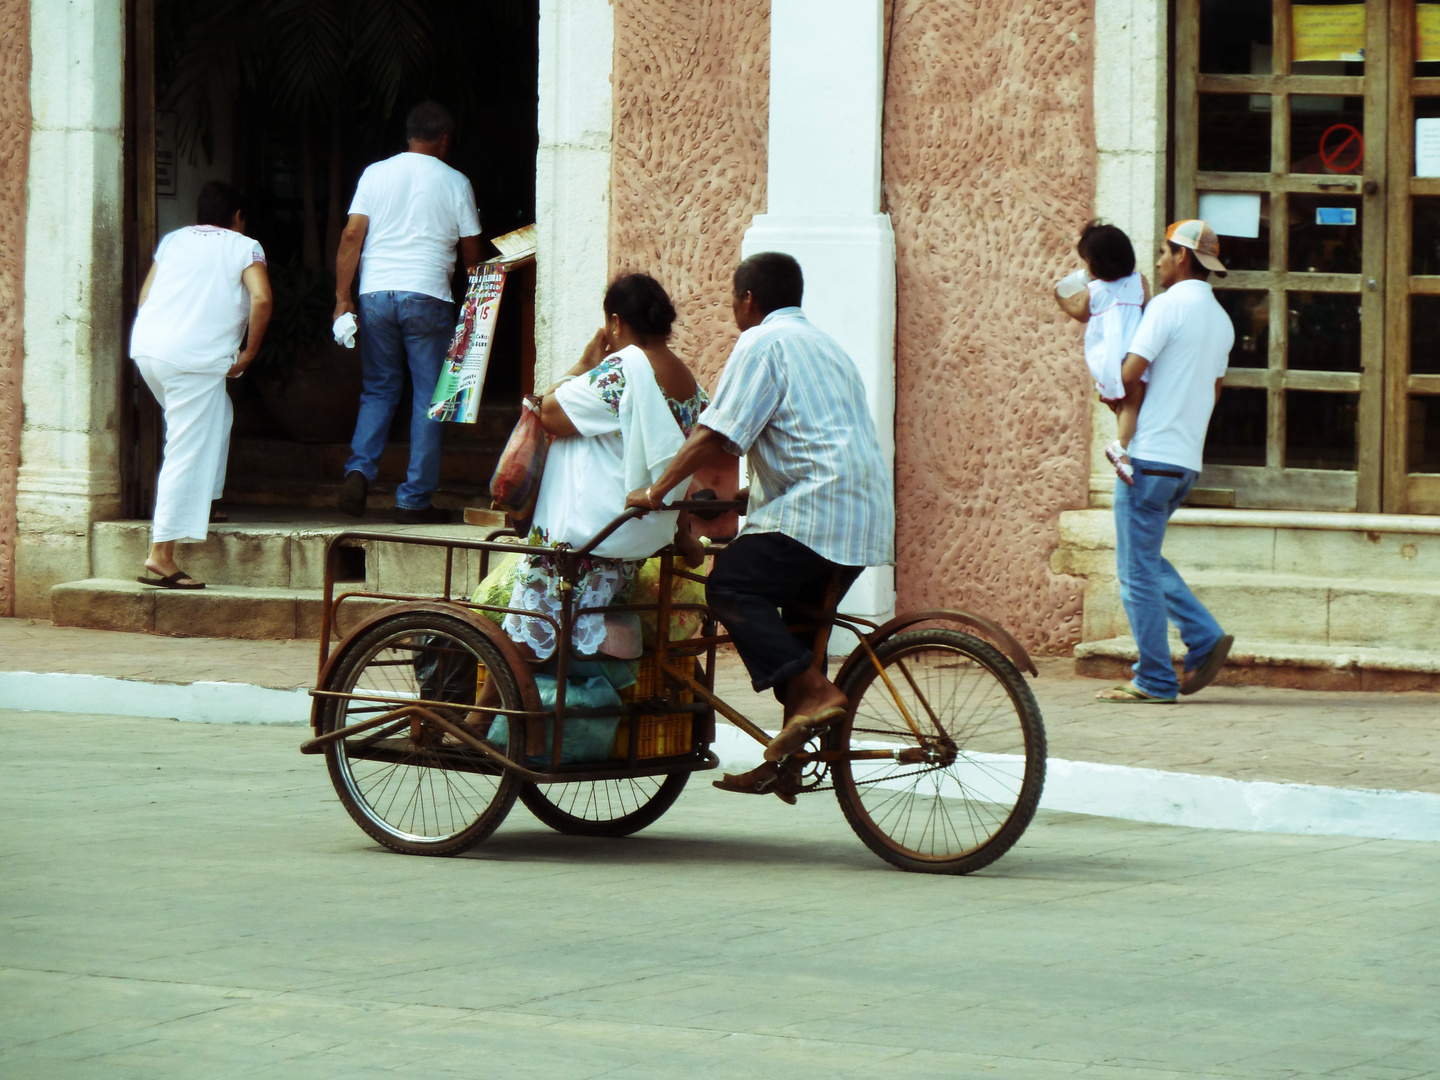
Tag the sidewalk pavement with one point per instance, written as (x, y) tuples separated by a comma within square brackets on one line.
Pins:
[(1339, 739)]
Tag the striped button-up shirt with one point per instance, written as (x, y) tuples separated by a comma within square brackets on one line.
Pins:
[(793, 401)]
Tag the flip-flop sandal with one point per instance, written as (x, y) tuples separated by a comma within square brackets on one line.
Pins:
[(176, 580), (800, 730), (1130, 695), (1205, 674)]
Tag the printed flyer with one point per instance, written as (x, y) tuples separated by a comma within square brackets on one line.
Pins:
[(457, 391)]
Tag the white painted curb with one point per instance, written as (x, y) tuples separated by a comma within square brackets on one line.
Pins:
[(1200, 802), (1077, 787), (1218, 802), (213, 702)]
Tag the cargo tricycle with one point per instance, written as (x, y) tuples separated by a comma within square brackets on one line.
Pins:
[(937, 763)]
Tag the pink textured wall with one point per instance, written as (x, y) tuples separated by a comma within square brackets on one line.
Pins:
[(989, 165), (989, 173), (14, 161), (691, 89)]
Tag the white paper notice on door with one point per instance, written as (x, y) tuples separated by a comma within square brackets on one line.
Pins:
[(1231, 213), (1427, 146)]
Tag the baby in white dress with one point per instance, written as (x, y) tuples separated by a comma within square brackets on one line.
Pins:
[(1108, 297)]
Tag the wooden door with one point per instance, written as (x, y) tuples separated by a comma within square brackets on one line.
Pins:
[(1412, 383), (1280, 130), (141, 422)]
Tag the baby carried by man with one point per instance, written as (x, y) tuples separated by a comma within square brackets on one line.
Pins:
[(1108, 295)]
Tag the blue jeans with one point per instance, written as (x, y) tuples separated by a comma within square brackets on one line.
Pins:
[(400, 330), (1150, 588)]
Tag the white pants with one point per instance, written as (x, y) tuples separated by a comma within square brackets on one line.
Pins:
[(198, 415)]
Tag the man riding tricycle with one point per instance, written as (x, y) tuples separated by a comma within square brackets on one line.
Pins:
[(589, 693)]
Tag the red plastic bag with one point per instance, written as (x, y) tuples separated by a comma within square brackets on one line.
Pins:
[(516, 483)]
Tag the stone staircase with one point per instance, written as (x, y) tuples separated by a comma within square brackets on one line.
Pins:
[(1332, 601), (264, 576), (282, 473)]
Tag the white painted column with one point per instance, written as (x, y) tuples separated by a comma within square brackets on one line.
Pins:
[(74, 337), (823, 204), (1131, 121), (572, 179)]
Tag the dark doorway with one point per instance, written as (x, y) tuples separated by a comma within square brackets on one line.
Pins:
[(291, 102)]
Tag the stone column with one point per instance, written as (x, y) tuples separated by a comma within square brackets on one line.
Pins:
[(74, 339), (572, 179), (823, 203), (1131, 118)]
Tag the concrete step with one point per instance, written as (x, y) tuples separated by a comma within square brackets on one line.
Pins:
[(217, 611), (273, 472), (1301, 580), (289, 554), (1299, 609), (325, 495), (282, 472), (1351, 546), (1308, 610), (1283, 664)]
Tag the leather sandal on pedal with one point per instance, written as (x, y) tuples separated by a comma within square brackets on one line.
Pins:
[(766, 779), (799, 730)]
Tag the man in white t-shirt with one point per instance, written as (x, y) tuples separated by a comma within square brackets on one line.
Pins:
[(409, 214), (1184, 341)]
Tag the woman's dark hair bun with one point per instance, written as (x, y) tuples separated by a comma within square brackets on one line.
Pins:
[(642, 302)]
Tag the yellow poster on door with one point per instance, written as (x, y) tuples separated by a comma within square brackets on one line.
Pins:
[(1427, 33), (1333, 32)]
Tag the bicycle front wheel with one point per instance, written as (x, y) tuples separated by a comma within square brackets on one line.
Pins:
[(964, 753)]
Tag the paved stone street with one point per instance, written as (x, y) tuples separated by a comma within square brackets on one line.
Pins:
[(186, 900)]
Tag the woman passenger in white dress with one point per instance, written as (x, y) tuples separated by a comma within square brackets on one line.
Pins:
[(206, 288), (618, 416)]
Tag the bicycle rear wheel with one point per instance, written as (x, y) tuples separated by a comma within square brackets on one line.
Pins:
[(966, 747), (401, 782)]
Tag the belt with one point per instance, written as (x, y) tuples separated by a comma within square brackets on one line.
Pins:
[(1163, 472)]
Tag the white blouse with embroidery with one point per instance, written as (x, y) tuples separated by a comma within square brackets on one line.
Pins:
[(584, 489)]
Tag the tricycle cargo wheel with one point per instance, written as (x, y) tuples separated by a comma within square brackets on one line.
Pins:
[(967, 752), (406, 783), (604, 807)]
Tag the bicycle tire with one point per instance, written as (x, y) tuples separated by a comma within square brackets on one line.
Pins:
[(639, 800), (994, 740), (392, 782)]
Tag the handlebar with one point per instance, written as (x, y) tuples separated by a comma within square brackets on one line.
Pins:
[(707, 506)]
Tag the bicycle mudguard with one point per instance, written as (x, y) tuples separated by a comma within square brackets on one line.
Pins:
[(994, 631), (529, 695)]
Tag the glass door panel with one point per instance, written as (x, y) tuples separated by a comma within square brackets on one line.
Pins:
[(1412, 374), (1285, 104)]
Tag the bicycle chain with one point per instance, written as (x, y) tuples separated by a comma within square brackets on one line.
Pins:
[(878, 779)]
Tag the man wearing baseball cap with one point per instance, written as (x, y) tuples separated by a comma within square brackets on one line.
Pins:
[(1184, 340)]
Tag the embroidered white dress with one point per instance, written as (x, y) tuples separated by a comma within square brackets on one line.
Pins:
[(1115, 310), (630, 430)]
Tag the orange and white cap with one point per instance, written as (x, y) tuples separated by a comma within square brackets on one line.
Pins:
[(1199, 238)]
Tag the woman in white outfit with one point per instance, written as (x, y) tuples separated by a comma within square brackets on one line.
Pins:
[(206, 288), (619, 416)]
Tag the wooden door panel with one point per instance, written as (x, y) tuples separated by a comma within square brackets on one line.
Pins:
[(1303, 364)]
